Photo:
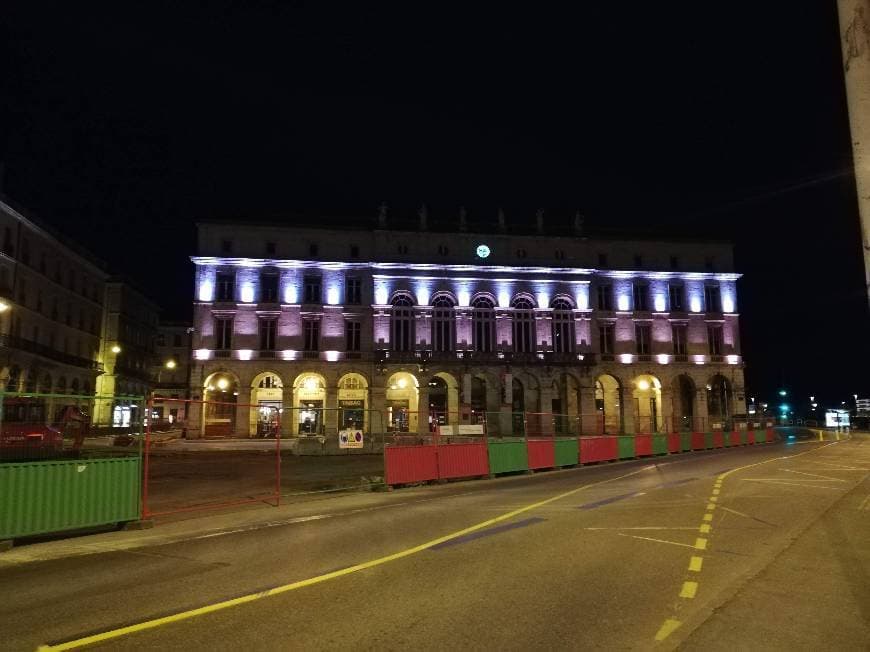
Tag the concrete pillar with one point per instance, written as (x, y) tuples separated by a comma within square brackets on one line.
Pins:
[(626, 406), (242, 426), (330, 416), (508, 389), (589, 417), (666, 409), (193, 420), (423, 410), (378, 404), (700, 421), (289, 416), (466, 389), (855, 47)]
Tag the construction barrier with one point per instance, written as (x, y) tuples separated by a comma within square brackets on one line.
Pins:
[(541, 453), (643, 445), (566, 452), (598, 449), (625, 446), (698, 441), (660, 444), (674, 441), (718, 439), (68, 461)]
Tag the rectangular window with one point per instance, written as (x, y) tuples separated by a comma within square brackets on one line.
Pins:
[(269, 287), (605, 338), (524, 333), (312, 335), (675, 297), (679, 334), (714, 338), (641, 296), (312, 290), (352, 330), (223, 332), (712, 298), (267, 334), (643, 338), (225, 286), (605, 297), (352, 291)]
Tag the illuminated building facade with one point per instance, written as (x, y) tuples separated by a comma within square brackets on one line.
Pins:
[(425, 326)]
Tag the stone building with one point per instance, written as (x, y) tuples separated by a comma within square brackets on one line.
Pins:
[(126, 352), (399, 329), (51, 308), (171, 370)]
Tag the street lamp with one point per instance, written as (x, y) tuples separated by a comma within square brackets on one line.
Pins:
[(4, 306), (170, 364), (116, 348)]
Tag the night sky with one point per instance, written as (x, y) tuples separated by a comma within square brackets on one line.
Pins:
[(722, 120)]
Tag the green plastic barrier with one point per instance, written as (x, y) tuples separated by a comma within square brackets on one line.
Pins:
[(660, 444), (626, 447), (708, 440), (567, 452), (744, 438), (508, 456), (685, 441), (57, 495)]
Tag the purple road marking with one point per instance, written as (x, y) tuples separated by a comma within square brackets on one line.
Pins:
[(607, 501), (488, 532)]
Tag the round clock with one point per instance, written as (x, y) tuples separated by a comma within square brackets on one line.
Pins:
[(482, 251)]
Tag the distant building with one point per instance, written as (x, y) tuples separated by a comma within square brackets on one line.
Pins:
[(422, 326), (51, 309), (126, 352), (171, 370)]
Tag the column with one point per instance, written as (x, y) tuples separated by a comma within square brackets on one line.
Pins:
[(626, 406), (242, 425), (423, 427), (330, 414), (193, 421), (378, 405), (465, 405), (289, 416), (701, 421), (666, 409), (589, 416)]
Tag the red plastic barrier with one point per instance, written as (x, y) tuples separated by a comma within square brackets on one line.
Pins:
[(769, 434), (462, 460), (598, 449), (750, 437), (735, 438), (542, 453), (673, 442), (718, 439), (406, 464), (698, 443), (643, 445)]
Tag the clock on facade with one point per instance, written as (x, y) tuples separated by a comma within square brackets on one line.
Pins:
[(482, 251)]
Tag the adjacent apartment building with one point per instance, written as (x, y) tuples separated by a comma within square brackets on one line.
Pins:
[(399, 329)]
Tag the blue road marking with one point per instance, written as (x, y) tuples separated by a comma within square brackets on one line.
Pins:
[(488, 532), (613, 499)]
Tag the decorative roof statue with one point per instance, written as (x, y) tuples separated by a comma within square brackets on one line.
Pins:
[(502, 225), (463, 219), (423, 214), (382, 215), (539, 220), (578, 224)]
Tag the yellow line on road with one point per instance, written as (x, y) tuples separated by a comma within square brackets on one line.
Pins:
[(700, 543), (695, 564), (710, 507), (704, 528), (251, 597), (667, 629), (689, 590), (708, 517)]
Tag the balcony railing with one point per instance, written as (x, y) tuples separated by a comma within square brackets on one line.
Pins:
[(21, 344)]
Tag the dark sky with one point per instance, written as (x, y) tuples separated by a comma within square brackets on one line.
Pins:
[(727, 120)]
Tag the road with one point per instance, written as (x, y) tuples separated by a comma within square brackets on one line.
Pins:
[(760, 547)]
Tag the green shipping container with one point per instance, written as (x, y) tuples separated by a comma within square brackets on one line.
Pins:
[(507, 456), (567, 452), (708, 440), (685, 441), (57, 495), (660, 444), (626, 447)]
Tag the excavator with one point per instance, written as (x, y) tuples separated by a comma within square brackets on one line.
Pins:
[(26, 433)]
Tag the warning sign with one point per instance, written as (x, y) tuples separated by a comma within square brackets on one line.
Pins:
[(350, 438)]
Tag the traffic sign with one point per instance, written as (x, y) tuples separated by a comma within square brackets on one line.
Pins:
[(350, 438)]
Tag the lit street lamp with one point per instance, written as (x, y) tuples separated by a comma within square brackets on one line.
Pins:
[(170, 364), (116, 349)]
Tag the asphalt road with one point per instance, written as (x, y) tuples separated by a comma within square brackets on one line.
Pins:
[(764, 547)]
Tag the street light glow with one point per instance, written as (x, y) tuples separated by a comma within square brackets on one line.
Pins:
[(170, 364), (116, 348), (4, 306)]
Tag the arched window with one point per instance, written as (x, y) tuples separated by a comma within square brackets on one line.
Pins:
[(402, 324), (270, 382), (351, 382), (524, 326), (563, 326), (483, 320), (443, 324)]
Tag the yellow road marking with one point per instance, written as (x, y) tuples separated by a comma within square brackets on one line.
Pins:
[(667, 629), (716, 492), (695, 564), (713, 499), (700, 543), (251, 597), (704, 529), (708, 517), (689, 590), (710, 507)]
